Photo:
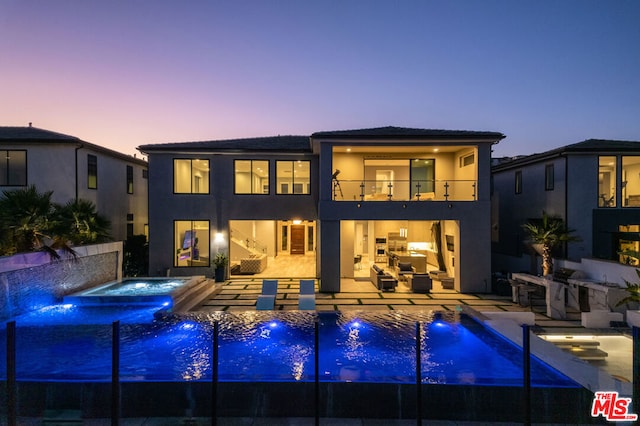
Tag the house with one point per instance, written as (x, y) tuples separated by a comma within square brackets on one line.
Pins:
[(343, 200), (75, 169), (594, 186)]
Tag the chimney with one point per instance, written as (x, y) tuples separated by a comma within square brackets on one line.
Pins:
[(30, 124)]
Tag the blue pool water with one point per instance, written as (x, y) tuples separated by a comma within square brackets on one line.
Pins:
[(73, 343)]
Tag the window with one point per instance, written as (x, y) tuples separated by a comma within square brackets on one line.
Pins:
[(467, 160), (631, 181), (145, 174), (607, 181), (251, 176), (129, 180), (190, 176), (423, 175), (13, 168), (92, 171), (191, 243), (548, 177), (518, 182), (293, 177)]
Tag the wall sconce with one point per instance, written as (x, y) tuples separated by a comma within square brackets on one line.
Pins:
[(219, 238), (297, 222)]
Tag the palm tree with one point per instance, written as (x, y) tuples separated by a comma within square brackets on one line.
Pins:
[(25, 219), (549, 233), (78, 222)]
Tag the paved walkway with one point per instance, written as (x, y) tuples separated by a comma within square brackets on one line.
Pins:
[(241, 295)]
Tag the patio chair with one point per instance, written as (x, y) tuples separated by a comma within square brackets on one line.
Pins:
[(267, 299), (307, 297)]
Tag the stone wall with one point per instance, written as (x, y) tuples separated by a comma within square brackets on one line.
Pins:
[(31, 281)]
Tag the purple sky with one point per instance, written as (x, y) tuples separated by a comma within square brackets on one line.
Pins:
[(125, 73)]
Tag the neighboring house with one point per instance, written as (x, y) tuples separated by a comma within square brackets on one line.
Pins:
[(594, 186), (74, 169), (344, 199)]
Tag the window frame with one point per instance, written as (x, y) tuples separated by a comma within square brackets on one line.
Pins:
[(178, 245), (291, 184), (262, 186), (92, 171), (129, 179), (549, 177), (191, 176), (24, 176)]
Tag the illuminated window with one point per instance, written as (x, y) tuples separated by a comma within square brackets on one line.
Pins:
[(191, 243), (293, 177), (129, 180), (631, 181), (92, 171), (251, 176), (190, 176), (13, 168), (606, 181)]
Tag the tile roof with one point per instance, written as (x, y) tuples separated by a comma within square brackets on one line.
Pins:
[(266, 144), (594, 146), (407, 133), (33, 134)]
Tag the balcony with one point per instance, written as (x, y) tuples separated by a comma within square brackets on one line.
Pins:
[(404, 190)]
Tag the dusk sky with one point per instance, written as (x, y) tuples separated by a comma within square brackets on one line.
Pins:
[(120, 74)]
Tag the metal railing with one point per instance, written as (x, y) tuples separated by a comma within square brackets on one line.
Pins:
[(404, 190), (249, 242)]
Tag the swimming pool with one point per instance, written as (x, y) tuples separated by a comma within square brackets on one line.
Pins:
[(367, 363)]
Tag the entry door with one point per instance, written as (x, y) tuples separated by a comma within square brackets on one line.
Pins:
[(297, 239)]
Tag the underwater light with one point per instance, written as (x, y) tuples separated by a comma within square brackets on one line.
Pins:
[(68, 305), (166, 304), (187, 326), (355, 324), (273, 324)]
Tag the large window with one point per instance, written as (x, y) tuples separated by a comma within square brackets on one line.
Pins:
[(92, 171), (606, 181), (190, 176), (423, 174), (251, 176), (293, 177), (631, 181), (129, 179), (191, 243), (13, 168)]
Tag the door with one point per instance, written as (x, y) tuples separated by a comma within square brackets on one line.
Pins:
[(297, 239)]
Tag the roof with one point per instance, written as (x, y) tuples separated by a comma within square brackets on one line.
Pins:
[(391, 132), (33, 134), (41, 136), (261, 144), (589, 146)]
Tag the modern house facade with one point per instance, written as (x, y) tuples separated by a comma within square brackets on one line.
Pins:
[(594, 186), (75, 169), (344, 200)]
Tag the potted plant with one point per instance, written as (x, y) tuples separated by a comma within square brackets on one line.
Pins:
[(547, 234), (220, 262), (633, 290)]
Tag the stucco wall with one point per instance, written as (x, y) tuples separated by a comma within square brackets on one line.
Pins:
[(31, 281)]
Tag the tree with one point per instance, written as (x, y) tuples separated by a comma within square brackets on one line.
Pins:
[(549, 233), (25, 219), (78, 222)]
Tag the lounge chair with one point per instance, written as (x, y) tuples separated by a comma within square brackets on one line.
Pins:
[(267, 300), (307, 297)]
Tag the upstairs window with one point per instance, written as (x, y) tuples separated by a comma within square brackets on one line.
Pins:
[(607, 181), (518, 182), (190, 176), (129, 179), (251, 176), (631, 181), (548, 177), (13, 168), (92, 171), (293, 177)]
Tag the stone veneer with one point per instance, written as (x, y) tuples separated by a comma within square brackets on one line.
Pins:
[(31, 280)]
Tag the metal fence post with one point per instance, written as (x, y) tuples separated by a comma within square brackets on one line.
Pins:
[(418, 373), (636, 369), (214, 375), (316, 372), (12, 389), (526, 367), (115, 373)]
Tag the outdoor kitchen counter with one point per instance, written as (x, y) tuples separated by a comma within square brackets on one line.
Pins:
[(554, 294), (602, 296)]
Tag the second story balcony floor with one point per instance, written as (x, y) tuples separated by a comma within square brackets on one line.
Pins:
[(404, 190)]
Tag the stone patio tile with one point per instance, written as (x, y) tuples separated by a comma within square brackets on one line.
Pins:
[(453, 296), (324, 296), (363, 308), (238, 309), (356, 295), (397, 295), (240, 302), (338, 302), (414, 308), (493, 297), (212, 308), (429, 305), (490, 308), (325, 308), (367, 302), (224, 297)]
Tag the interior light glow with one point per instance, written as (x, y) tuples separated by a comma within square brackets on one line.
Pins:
[(297, 222)]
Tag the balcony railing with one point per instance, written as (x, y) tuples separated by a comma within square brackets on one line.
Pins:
[(404, 190)]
